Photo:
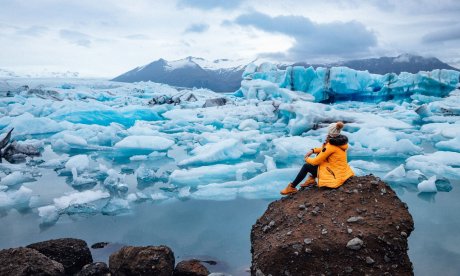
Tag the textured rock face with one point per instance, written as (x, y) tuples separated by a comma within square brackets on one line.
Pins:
[(360, 228), (190, 268), (73, 254), (142, 260), (25, 261), (94, 269)]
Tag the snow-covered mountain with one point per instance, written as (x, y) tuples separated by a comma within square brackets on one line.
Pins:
[(383, 65), (221, 75), (224, 75)]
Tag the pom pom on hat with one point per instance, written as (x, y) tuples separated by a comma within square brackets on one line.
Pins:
[(335, 128)]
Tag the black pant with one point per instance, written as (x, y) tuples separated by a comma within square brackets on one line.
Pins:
[(306, 168)]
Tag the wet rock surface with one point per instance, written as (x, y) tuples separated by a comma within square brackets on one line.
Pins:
[(142, 260), (26, 261), (73, 254), (190, 268), (355, 229)]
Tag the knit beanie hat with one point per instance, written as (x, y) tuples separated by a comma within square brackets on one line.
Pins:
[(334, 129)]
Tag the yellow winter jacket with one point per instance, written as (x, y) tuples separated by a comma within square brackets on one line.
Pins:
[(331, 159)]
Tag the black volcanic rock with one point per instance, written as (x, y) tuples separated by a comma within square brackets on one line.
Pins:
[(360, 228), (73, 254), (142, 260), (190, 268), (94, 269), (27, 262)]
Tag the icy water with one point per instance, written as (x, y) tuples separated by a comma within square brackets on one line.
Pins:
[(220, 230), (195, 177)]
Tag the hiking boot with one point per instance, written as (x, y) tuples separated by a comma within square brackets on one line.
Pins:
[(310, 181), (288, 190)]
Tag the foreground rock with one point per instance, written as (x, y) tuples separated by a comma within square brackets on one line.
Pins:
[(94, 269), (190, 268), (360, 228), (142, 260), (26, 261), (73, 254)]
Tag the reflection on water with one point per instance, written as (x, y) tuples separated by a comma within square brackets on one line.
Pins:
[(219, 230)]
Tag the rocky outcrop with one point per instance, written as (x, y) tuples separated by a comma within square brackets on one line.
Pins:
[(73, 254), (26, 262), (360, 228), (94, 269), (190, 268), (142, 260)]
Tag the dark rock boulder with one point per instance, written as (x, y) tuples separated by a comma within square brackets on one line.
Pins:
[(215, 102), (142, 260), (94, 269), (190, 268), (26, 261), (73, 254), (99, 245), (360, 228)]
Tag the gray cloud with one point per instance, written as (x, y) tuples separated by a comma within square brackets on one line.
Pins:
[(197, 28), (313, 39), (210, 4), (75, 37), (447, 34)]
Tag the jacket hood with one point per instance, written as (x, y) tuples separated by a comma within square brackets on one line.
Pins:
[(340, 141)]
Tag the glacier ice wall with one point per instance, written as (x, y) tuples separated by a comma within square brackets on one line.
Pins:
[(342, 83)]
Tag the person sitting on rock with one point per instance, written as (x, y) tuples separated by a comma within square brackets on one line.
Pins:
[(330, 165)]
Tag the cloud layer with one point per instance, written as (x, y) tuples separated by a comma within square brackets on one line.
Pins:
[(330, 39)]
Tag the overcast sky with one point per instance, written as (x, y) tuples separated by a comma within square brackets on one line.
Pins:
[(106, 38)]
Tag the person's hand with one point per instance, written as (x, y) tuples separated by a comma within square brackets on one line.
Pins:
[(308, 154)]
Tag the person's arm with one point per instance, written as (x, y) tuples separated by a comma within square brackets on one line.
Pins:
[(316, 150), (320, 157)]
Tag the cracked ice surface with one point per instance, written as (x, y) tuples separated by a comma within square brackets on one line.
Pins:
[(105, 149)]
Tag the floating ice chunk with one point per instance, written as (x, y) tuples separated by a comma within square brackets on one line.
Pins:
[(269, 163), (293, 147), (79, 162), (147, 174), (450, 145), (138, 158), (248, 124), (115, 206), (184, 192), (15, 198), (265, 185), (440, 131), (79, 198), (428, 186), (158, 196), (443, 163), (212, 174), (228, 149), (145, 143), (16, 178), (74, 140), (114, 183), (48, 214), (55, 163), (397, 173), (368, 166), (28, 124)]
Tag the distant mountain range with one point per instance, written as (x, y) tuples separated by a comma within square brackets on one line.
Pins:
[(221, 75), (224, 75), (383, 65)]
